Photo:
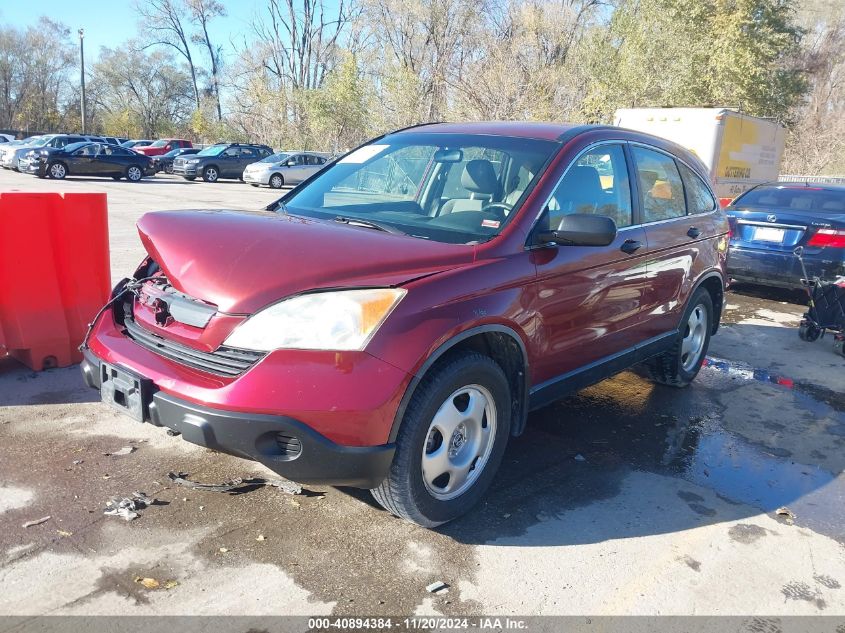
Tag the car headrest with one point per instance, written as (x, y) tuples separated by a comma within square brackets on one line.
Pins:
[(480, 177), (834, 205), (582, 182)]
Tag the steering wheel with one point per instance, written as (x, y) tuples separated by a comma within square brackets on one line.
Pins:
[(504, 208)]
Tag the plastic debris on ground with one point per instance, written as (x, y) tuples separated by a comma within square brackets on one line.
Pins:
[(127, 508), (237, 486), (126, 450), (37, 521), (438, 587)]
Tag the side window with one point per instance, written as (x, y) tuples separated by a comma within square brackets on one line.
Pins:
[(249, 152), (661, 189), (699, 198), (598, 184), (232, 152)]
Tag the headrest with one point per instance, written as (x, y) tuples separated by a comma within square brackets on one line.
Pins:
[(834, 205), (480, 177)]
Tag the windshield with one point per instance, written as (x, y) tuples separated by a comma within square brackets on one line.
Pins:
[(795, 197), (41, 141), (160, 143), (213, 150), (275, 158), (457, 188)]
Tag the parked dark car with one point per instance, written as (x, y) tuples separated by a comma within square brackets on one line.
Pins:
[(91, 159), (165, 162), (769, 221), (223, 160), (391, 325)]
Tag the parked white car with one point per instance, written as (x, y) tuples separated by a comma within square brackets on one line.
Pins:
[(285, 168)]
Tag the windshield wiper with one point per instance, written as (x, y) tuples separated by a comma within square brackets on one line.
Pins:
[(368, 224)]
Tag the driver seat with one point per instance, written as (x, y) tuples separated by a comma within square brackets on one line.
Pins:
[(479, 178)]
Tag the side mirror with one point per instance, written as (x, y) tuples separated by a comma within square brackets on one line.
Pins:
[(581, 229), (290, 163)]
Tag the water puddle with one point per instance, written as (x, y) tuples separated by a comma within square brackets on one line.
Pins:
[(811, 396)]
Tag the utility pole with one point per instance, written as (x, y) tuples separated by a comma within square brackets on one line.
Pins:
[(82, 73)]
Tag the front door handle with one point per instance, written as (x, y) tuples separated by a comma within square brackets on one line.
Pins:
[(693, 232), (631, 246)]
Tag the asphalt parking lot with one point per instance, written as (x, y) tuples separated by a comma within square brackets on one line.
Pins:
[(626, 498)]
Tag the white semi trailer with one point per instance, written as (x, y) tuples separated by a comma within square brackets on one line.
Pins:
[(740, 150)]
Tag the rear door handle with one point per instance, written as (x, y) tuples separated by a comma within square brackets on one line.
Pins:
[(631, 246), (693, 232)]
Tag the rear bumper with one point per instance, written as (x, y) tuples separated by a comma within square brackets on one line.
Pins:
[(284, 444), (782, 270)]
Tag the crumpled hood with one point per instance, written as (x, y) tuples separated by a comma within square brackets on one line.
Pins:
[(243, 261)]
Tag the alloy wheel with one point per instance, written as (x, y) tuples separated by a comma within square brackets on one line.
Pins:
[(58, 171), (134, 174)]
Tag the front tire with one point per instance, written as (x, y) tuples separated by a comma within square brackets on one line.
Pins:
[(277, 181), (57, 171), (450, 442), (210, 174), (134, 173), (680, 365)]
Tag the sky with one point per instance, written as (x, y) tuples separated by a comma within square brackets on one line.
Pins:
[(111, 22)]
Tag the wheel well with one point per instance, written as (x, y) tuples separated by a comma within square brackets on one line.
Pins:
[(716, 288), (503, 348)]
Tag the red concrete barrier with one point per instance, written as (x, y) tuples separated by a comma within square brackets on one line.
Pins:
[(54, 273)]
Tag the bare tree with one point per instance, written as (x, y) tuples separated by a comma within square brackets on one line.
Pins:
[(164, 24), (202, 12), (300, 39)]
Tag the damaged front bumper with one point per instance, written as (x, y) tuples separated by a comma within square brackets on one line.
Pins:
[(284, 444)]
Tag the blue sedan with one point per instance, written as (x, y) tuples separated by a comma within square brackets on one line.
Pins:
[(770, 220)]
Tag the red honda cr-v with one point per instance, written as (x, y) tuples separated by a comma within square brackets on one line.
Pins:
[(392, 321)]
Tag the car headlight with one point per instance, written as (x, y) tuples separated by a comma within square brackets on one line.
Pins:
[(338, 320)]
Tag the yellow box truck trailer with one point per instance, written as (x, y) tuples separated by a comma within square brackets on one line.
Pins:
[(740, 150)]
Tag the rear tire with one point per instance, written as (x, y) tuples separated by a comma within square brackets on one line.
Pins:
[(680, 365), (434, 478)]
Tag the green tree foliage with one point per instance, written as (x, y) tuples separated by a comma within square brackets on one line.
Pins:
[(694, 52)]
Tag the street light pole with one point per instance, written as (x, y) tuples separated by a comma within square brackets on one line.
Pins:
[(82, 73)]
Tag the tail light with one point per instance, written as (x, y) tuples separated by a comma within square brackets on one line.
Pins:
[(831, 238)]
